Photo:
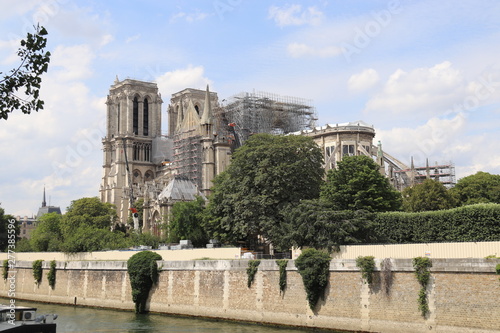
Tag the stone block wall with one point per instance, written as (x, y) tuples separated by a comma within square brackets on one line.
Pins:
[(464, 294)]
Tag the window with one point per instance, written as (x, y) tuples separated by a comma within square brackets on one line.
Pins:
[(118, 117), (136, 116), (145, 122), (347, 150)]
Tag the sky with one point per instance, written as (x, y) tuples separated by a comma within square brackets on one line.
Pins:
[(425, 74)]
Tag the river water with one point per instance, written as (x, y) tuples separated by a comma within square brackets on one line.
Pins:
[(82, 319)]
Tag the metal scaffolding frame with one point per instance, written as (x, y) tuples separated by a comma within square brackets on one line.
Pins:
[(261, 112), (187, 157)]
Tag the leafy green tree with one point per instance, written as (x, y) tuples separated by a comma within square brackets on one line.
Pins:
[(429, 195), (86, 238), (266, 175), (48, 235), (315, 223), (5, 233), (88, 212), (357, 184), (482, 187), (20, 89), (186, 222)]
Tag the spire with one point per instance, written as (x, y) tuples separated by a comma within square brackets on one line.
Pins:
[(207, 111), (44, 203)]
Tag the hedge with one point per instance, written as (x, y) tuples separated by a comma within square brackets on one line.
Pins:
[(474, 223)]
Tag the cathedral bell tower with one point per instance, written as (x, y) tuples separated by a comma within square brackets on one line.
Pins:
[(133, 122)]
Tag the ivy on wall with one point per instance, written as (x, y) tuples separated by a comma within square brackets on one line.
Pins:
[(314, 267), (143, 273), (251, 271), (282, 263), (5, 271), (367, 267), (422, 265), (37, 271), (51, 275)]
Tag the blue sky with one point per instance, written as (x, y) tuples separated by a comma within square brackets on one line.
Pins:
[(426, 74)]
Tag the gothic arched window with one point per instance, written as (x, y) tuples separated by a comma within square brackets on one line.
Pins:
[(118, 116), (136, 116), (145, 122)]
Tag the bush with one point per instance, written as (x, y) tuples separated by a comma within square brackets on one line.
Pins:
[(143, 274), (37, 271), (51, 275), (5, 272), (314, 267), (474, 223)]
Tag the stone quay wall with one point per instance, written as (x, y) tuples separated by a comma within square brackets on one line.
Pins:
[(463, 294)]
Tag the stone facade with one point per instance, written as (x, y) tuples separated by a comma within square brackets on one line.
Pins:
[(463, 294)]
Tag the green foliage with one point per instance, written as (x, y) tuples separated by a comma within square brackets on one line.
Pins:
[(5, 231), (282, 263), (88, 212), (20, 89), (48, 235), (251, 271), (367, 267), (357, 184), (479, 188), (316, 223), (474, 223), (5, 271), (86, 238), (497, 268), (314, 267), (37, 271), (51, 275), (427, 196), (422, 265), (24, 245), (143, 273), (186, 222), (266, 175)]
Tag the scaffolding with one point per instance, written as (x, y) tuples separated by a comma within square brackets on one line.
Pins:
[(443, 173), (187, 157), (261, 112)]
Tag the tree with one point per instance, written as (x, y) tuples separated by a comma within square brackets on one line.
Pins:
[(48, 235), (266, 175), (90, 212), (86, 226), (186, 222), (429, 195), (5, 230), (27, 76), (357, 184), (314, 223), (482, 187)]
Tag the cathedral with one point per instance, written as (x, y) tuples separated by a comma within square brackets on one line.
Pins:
[(141, 162)]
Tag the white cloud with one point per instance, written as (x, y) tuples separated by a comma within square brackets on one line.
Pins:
[(295, 15), (189, 17), (438, 139), (174, 81), (106, 39), (72, 62), (133, 38), (364, 80), (299, 50), (426, 91)]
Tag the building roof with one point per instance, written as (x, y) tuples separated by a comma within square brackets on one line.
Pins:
[(180, 189)]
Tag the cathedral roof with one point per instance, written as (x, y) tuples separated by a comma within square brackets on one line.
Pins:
[(180, 189)]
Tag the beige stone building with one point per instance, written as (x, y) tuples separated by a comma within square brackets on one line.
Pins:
[(142, 163)]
